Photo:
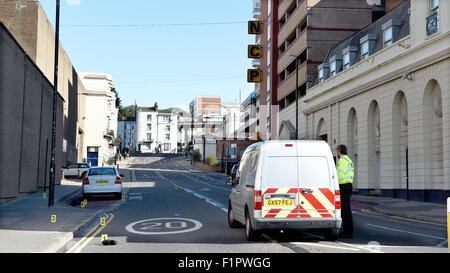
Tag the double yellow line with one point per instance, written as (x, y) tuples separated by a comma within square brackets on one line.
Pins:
[(91, 234)]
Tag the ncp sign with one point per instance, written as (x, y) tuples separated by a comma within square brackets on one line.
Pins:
[(254, 27), (254, 75)]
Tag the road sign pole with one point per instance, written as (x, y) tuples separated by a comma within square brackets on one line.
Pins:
[(448, 224)]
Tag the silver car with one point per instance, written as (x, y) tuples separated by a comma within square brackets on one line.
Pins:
[(102, 180), (76, 170)]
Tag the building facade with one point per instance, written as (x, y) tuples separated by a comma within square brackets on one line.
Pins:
[(29, 25), (26, 113), (156, 132), (385, 93), (126, 131), (296, 37), (100, 143)]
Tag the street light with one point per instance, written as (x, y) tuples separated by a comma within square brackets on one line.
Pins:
[(51, 188), (296, 94)]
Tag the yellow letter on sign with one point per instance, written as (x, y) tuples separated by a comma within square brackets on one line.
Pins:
[(254, 75), (254, 27), (254, 51)]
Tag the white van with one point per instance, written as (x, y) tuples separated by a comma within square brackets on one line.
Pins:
[(289, 184)]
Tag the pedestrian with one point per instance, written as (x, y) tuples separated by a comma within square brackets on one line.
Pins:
[(346, 173)]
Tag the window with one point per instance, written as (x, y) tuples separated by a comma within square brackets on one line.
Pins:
[(321, 75), (149, 117), (347, 60), (149, 136), (167, 136), (387, 37), (168, 128), (433, 19), (149, 127), (333, 68), (166, 147), (365, 50), (166, 118)]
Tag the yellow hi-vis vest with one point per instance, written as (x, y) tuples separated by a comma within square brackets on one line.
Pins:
[(345, 170)]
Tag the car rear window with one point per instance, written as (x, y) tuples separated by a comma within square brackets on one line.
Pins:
[(314, 172), (102, 171), (281, 172)]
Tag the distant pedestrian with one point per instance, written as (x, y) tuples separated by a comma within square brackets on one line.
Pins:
[(346, 173)]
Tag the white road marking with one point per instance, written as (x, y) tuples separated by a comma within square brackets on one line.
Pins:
[(408, 232), (323, 245)]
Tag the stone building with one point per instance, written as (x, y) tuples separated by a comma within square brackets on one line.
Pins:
[(385, 93)]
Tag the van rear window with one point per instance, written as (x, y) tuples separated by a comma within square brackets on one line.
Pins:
[(314, 172), (281, 172)]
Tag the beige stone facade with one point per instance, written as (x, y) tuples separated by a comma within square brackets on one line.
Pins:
[(397, 101)]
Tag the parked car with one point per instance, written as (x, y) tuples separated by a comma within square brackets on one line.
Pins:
[(102, 180), (286, 185), (76, 169)]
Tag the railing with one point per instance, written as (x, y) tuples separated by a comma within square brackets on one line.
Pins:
[(433, 23)]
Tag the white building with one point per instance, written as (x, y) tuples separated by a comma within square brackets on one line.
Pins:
[(100, 119), (156, 132)]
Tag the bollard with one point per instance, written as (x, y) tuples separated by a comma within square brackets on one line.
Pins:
[(448, 224)]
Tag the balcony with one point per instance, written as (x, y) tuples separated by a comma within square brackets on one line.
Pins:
[(256, 62), (433, 23), (256, 13), (108, 134)]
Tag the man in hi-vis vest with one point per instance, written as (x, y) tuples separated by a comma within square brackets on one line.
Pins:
[(346, 173)]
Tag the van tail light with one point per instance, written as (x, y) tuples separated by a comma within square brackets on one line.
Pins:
[(289, 145), (258, 200), (118, 180), (86, 181), (337, 199)]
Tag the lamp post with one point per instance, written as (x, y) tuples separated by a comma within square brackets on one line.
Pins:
[(296, 95), (51, 188)]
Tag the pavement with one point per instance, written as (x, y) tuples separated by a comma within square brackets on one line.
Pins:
[(26, 224)]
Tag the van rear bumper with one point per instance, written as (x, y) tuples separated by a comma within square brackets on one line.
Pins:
[(310, 223)]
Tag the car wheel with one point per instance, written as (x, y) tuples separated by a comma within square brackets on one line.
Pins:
[(332, 234), (250, 233), (231, 222)]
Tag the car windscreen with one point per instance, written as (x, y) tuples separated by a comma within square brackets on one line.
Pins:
[(102, 171), (83, 166)]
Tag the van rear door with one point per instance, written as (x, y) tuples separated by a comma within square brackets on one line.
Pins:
[(316, 196), (280, 187)]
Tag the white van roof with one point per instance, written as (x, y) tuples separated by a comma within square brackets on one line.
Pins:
[(304, 147)]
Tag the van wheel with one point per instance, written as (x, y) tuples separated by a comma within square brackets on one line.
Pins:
[(250, 233), (332, 234), (231, 222)]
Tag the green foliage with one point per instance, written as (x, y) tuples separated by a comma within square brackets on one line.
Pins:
[(127, 112), (196, 155), (212, 161)]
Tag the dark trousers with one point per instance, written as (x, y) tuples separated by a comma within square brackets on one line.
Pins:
[(346, 210)]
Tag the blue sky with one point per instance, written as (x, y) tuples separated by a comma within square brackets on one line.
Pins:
[(161, 62)]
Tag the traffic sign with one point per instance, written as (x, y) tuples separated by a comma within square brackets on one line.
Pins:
[(254, 52), (254, 27), (254, 75)]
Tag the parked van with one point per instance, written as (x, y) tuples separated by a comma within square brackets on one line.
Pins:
[(286, 185)]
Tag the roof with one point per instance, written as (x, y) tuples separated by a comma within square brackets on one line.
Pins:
[(401, 13)]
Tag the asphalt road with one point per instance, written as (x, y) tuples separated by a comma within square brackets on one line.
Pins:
[(167, 209)]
